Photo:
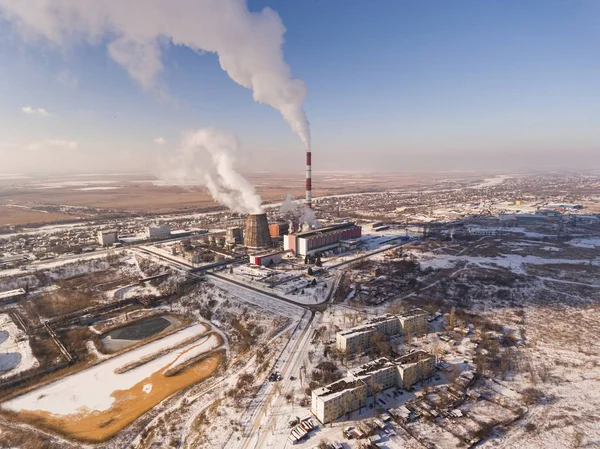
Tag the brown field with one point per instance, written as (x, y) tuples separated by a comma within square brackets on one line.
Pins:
[(132, 195), (129, 405), (10, 216)]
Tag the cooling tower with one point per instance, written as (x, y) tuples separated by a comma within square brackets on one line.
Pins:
[(257, 231)]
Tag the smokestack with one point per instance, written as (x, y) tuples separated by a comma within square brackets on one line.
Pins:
[(308, 180), (257, 232)]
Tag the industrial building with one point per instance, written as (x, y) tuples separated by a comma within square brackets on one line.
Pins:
[(233, 235), (318, 240), (360, 338), (107, 237), (12, 295), (350, 393), (256, 234), (279, 228), (266, 259), (158, 232)]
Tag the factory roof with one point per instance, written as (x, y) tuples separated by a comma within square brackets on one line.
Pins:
[(325, 230), (108, 231), (11, 293)]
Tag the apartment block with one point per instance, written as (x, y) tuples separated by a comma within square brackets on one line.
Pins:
[(346, 395), (360, 338)]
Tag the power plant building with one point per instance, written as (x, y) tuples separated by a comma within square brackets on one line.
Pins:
[(107, 237), (350, 393), (318, 240)]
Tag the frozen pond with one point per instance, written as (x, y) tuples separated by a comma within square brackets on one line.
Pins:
[(123, 337)]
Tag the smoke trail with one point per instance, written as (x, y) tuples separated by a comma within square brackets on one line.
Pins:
[(248, 44), (299, 212), (206, 157)]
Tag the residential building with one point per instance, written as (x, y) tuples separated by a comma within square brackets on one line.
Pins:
[(350, 393), (360, 338), (414, 322), (414, 367)]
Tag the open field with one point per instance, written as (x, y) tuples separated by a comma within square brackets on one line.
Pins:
[(71, 198), (17, 215)]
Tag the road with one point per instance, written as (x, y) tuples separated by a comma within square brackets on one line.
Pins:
[(291, 367)]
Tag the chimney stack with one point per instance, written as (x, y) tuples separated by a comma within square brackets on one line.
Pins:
[(308, 180)]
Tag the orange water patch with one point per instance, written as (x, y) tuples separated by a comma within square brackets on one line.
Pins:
[(128, 406)]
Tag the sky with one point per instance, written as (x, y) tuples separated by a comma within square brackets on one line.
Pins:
[(390, 86)]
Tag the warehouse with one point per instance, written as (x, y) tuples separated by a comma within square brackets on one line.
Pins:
[(318, 240), (266, 259)]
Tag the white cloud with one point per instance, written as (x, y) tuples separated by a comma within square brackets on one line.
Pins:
[(160, 140), (35, 111), (53, 143), (248, 44), (67, 78)]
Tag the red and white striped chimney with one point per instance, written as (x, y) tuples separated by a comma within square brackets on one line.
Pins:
[(308, 180)]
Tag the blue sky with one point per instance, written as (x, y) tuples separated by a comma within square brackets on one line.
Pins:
[(392, 85)]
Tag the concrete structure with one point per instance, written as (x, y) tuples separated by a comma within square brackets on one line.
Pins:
[(257, 234), (336, 399), (350, 393), (414, 322), (12, 295), (360, 338), (107, 237), (319, 240), (414, 367), (266, 259), (233, 235), (278, 229), (158, 232)]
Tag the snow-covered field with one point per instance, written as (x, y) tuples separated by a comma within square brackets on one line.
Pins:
[(15, 351), (75, 394)]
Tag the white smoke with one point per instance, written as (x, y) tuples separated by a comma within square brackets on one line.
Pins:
[(300, 213), (248, 44), (206, 157)]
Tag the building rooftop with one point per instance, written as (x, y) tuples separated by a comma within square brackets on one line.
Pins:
[(368, 325), (413, 312), (338, 387), (371, 367), (326, 229), (412, 357)]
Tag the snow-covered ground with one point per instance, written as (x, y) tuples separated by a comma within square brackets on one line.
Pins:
[(92, 389), (15, 351)]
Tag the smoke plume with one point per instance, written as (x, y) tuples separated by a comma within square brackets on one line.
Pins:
[(206, 157), (299, 213), (248, 44)]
